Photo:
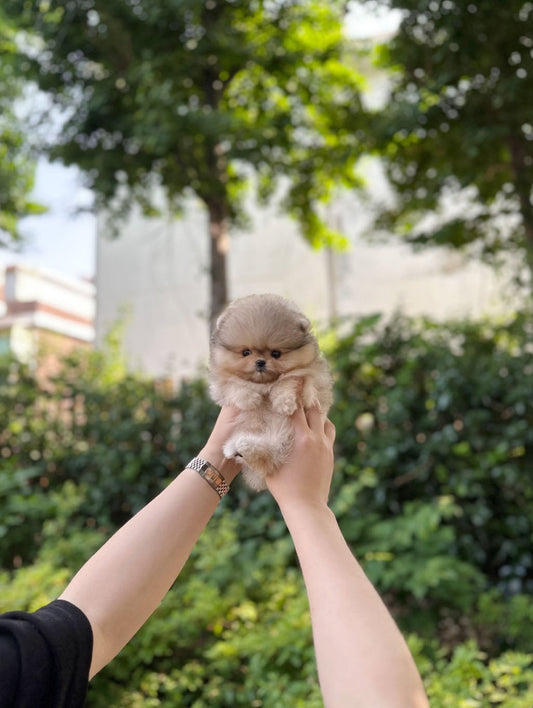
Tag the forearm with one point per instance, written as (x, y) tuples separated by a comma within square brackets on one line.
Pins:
[(361, 656), (124, 582)]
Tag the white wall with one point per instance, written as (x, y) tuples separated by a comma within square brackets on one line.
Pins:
[(3, 306), (156, 272), (22, 342)]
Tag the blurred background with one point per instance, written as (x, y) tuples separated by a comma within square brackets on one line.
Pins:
[(372, 161)]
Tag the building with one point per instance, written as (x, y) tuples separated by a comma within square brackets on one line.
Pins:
[(44, 315)]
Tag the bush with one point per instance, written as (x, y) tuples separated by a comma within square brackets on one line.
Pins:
[(435, 450), (468, 679), (433, 491), (112, 432)]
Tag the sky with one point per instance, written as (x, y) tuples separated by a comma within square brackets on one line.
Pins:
[(64, 240), (59, 240)]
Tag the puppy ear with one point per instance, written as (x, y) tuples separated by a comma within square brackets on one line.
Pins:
[(305, 325), (217, 325), (219, 321)]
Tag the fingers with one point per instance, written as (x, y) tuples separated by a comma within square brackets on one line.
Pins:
[(228, 413), (329, 430), (314, 418), (299, 418), (315, 421), (224, 424)]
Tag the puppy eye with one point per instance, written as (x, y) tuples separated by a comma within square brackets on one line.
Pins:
[(276, 353), (246, 352)]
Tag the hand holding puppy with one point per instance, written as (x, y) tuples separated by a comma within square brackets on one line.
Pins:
[(305, 478), (362, 658), (225, 426)]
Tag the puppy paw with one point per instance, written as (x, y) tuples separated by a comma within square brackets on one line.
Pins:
[(285, 405), (231, 451), (241, 446), (252, 451), (310, 397), (285, 399)]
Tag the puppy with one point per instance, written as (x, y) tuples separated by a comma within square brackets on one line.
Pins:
[(265, 361)]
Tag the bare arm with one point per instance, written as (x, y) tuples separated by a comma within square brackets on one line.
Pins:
[(363, 660), (123, 583)]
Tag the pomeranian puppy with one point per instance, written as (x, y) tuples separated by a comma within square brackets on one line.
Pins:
[(265, 361)]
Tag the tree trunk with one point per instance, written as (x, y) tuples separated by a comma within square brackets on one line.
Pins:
[(219, 247)]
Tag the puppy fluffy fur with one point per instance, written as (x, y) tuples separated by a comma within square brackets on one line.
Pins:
[(265, 361)]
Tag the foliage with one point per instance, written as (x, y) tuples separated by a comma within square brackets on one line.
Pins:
[(468, 680), (187, 97), (456, 134), (432, 490), (112, 432), (63, 549), (16, 165), (438, 497)]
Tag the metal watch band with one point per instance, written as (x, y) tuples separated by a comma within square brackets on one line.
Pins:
[(211, 475)]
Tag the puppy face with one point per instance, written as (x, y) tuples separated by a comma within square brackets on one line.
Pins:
[(260, 337)]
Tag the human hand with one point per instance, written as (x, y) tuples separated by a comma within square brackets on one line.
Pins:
[(305, 478), (212, 451)]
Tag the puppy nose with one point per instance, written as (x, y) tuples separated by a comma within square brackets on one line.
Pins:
[(260, 364)]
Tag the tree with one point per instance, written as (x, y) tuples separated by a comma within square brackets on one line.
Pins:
[(188, 95), (458, 127), (17, 169)]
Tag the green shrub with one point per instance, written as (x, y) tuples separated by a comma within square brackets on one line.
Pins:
[(435, 451), (433, 490), (115, 434), (468, 679)]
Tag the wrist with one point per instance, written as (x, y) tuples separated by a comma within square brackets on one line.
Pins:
[(298, 510)]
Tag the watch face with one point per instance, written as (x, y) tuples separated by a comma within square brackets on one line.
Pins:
[(211, 475)]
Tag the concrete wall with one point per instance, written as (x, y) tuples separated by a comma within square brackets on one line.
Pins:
[(155, 275)]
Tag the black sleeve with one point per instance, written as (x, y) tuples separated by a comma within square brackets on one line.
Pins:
[(45, 657)]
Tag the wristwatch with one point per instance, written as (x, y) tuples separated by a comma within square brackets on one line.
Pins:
[(211, 475)]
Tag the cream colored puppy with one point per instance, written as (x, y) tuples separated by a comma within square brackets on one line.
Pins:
[(265, 361)]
